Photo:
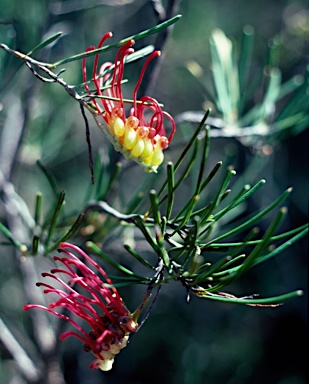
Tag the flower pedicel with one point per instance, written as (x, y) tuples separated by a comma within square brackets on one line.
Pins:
[(90, 296), (138, 137)]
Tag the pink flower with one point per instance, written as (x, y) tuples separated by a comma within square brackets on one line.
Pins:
[(89, 295), (141, 136)]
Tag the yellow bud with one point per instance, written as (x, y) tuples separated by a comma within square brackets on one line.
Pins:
[(138, 147), (148, 149), (132, 122), (142, 131), (118, 126), (129, 138), (158, 156), (148, 160)]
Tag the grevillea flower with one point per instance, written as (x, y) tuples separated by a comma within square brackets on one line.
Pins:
[(141, 136), (89, 295)]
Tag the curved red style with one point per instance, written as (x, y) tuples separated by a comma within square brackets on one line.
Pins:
[(141, 136), (89, 294)]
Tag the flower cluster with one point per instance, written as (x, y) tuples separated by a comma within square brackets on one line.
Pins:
[(141, 136), (92, 299)]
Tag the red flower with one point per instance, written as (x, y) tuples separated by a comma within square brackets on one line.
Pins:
[(90, 296), (137, 137)]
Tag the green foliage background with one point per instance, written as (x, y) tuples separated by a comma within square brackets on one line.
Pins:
[(199, 342)]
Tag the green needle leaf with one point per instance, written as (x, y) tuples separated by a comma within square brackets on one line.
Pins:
[(243, 195), (186, 149), (155, 207), (140, 35), (69, 233), (96, 250), (302, 229), (245, 55), (49, 177), (203, 162), (248, 263), (270, 300), (38, 208), (211, 175), (217, 199), (171, 186), (147, 234), (50, 40), (185, 173), (282, 247), (113, 177), (138, 257), (215, 267), (55, 217), (187, 215), (9, 235), (35, 245), (251, 221)]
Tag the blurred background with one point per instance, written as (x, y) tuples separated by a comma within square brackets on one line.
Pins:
[(203, 341)]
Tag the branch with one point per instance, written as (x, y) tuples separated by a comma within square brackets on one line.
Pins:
[(22, 360), (222, 129), (132, 218), (162, 15), (52, 77)]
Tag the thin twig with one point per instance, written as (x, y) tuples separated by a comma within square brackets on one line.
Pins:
[(222, 129), (154, 282), (152, 73), (21, 358), (105, 207), (53, 78), (90, 158)]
